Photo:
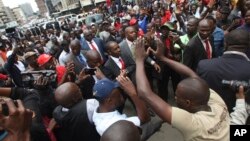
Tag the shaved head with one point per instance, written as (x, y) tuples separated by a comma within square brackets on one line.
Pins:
[(75, 46), (121, 131), (194, 89), (237, 40), (93, 58), (68, 94)]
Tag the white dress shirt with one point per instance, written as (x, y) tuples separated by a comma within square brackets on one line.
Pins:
[(117, 61)]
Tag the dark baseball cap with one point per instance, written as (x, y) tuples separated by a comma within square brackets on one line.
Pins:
[(103, 88)]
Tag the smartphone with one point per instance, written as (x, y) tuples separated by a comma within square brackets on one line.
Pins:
[(89, 71)]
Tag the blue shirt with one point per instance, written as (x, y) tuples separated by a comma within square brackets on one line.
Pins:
[(218, 35)]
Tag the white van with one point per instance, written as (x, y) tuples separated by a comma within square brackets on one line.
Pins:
[(72, 17)]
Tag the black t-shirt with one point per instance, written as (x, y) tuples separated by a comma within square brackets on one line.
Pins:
[(74, 123)]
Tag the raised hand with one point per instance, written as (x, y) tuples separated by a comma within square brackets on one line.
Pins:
[(140, 53), (159, 52), (18, 122), (127, 85)]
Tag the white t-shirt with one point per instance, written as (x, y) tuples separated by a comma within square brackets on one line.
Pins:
[(203, 125), (103, 121), (62, 58)]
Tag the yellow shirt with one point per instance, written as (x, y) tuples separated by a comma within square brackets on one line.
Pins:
[(203, 125)]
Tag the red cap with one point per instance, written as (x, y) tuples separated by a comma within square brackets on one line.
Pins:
[(132, 21), (43, 59)]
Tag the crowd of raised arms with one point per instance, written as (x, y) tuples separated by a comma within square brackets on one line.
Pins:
[(72, 81)]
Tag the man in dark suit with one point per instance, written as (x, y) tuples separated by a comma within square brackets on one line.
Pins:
[(91, 43), (127, 52), (200, 46), (115, 62), (233, 65), (76, 56)]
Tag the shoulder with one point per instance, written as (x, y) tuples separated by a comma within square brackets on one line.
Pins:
[(193, 42), (107, 63), (183, 121)]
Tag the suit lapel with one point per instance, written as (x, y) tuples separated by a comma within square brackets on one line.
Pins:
[(114, 67), (201, 48), (127, 49)]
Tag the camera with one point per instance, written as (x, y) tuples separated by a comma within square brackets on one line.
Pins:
[(28, 78), (235, 84)]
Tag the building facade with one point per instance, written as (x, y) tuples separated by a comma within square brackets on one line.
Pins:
[(3, 16), (27, 9), (42, 7), (65, 5), (10, 14), (19, 15)]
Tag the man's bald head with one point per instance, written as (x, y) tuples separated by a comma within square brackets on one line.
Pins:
[(75, 46), (131, 33), (75, 42), (204, 29), (121, 131), (237, 40), (68, 94), (195, 90), (93, 58)]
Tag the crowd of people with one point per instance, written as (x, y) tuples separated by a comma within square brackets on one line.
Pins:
[(70, 82)]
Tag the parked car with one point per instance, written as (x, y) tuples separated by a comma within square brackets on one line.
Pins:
[(95, 18)]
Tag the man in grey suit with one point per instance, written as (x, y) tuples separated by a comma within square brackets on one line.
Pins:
[(76, 56), (127, 52)]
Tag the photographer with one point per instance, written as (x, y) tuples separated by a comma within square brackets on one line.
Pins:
[(232, 65), (40, 100), (242, 108)]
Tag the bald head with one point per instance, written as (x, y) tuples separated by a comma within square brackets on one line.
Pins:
[(75, 47), (121, 131), (131, 33), (204, 29), (68, 94), (93, 58), (237, 40), (194, 89)]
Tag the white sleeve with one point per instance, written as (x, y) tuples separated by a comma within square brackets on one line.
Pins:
[(91, 104), (134, 120), (239, 115)]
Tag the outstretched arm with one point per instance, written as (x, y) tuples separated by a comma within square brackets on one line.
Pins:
[(163, 109)]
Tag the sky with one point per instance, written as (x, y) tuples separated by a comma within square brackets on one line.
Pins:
[(15, 3)]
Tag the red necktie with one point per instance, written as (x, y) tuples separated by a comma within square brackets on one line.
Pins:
[(123, 64), (93, 47), (208, 49)]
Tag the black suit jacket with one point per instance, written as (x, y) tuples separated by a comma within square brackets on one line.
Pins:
[(227, 67), (195, 52), (111, 70)]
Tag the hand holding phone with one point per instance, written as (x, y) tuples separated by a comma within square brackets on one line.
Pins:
[(90, 71)]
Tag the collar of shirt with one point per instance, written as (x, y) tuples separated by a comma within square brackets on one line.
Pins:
[(129, 43), (237, 53), (117, 61)]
